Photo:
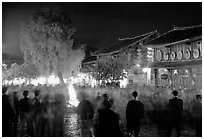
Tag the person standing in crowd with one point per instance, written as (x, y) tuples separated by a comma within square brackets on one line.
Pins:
[(59, 112), (15, 106), (134, 112), (24, 114), (197, 114), (86, 112), (175, 111), (105, 97), (7, 114), (47, 117), (107, 122), (36, 113)]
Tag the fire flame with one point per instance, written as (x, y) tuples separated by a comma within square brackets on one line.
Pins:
[(72, 95)]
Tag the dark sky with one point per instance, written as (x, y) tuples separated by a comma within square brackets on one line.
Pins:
[(100, 24)]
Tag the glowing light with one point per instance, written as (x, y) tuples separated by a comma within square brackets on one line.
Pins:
[(21, 81), (175, 72), (138, 65), (15, 81), (41, 80), (53, 80), (148, 74), (123, 83), (72, 96), (81, 79), (146, 70)]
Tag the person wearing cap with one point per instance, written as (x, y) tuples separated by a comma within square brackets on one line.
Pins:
[(197, 115), (7, 114), (134, 112), (175, 113)]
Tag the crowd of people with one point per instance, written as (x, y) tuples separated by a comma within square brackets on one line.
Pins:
[(106, 122), (44, 116), (36, 117)]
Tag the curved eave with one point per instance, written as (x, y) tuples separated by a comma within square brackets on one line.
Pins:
[(89, 62), (165, 44), (102, 54), (121, 49), (173, 43)]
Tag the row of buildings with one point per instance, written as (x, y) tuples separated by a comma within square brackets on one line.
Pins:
[(172, 59)]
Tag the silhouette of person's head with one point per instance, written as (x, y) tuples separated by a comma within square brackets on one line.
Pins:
[(105, 96), (15, 93), (198, 97), (83, 96), (111, 101), (175, 93), (25, 93), (106, 104), (4, 89), (134, 94), (37, 92)]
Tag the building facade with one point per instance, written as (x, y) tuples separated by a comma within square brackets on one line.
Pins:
[(132, 52), (177, 58)]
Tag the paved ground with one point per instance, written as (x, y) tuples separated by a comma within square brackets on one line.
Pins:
[(72, 128)]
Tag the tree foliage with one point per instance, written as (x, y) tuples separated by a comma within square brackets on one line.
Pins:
[(110, 69), (27, 71), (46, 42)]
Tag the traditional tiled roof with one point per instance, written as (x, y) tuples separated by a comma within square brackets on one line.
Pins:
[(176, 35), (122, 43), (88, 56)]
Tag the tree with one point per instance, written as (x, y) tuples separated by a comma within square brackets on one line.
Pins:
[(27, 71), (4, 72), (110, 69), (13, 71), (46, 42)]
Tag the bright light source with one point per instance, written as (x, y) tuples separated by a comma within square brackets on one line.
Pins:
[(123, 83), (145, 70), (53, 80), (72, 96)]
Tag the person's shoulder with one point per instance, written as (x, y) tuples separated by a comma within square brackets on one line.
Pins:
[(111, 112), (131, 101), (88, 102), (140, 102), (5, 96), (171, 99), (115, 114), (181, 100), (100, 110), (22, 99)]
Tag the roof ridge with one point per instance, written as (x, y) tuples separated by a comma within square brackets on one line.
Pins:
[(175, 28), (187, 27), (141, 39), (122, 39)]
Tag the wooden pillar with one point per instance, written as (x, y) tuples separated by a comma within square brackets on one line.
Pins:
[(156, 77)]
